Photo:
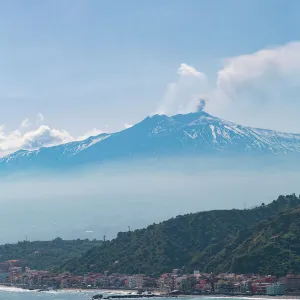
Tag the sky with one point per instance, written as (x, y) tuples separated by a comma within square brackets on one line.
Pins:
[(74, 68)]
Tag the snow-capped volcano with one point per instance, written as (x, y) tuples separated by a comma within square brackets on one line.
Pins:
[(159, 135)]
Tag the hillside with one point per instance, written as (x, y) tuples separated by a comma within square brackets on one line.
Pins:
[(179, 242), (270, 247), (194, 134), (43, 255)]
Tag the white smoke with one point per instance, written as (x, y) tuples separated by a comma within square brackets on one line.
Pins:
[(252, 84), (245, 88), (182, 95)]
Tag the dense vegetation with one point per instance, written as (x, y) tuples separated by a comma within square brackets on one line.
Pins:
[(270, 247), (220, 240), (45, 255)]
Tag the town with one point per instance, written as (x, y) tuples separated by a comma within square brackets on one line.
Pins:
[(15, 273)]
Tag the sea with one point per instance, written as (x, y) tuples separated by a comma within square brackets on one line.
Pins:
[(18, 294)]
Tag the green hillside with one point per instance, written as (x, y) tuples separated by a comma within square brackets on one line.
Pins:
[(200, 240), (43, 255), (270, 247)]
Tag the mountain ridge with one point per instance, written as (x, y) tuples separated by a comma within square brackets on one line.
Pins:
[(159, 135)]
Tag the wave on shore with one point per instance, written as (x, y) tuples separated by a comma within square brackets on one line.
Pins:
[(4, 288)]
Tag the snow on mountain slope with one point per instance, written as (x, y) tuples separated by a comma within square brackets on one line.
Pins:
[(223, 135), (50, 155), (195, 133)]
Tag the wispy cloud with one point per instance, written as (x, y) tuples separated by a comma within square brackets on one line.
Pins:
[(40, 117), (25, 123)]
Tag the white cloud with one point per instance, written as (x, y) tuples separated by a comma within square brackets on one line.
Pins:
[(33, 139), (45, 136), (41, 136), (39, 117), (182, 95), (283, 60), (25, 123), (186, 70), (260, 89)]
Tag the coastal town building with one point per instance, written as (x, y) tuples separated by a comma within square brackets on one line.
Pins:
[(275, 289), (292, 283), (14, 272)]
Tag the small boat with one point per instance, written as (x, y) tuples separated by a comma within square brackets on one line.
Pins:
[(43, 290)]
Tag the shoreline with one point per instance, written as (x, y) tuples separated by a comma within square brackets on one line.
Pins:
[(4, 288)]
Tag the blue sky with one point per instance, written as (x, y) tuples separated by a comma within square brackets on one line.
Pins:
[(91, 66)]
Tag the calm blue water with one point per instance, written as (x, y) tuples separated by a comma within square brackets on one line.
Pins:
[(26, 295)]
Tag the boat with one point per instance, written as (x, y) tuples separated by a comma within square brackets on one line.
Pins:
[(43, 290)]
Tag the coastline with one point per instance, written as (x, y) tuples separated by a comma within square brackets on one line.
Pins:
[(4, 288)]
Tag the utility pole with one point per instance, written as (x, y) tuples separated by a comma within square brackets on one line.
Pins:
[(212, 282)]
